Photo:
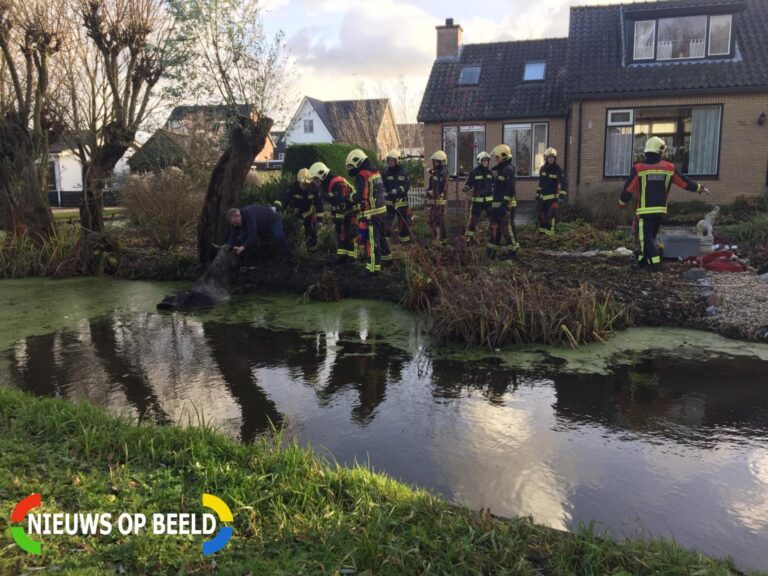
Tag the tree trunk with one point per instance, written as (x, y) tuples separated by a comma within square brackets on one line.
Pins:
[(246, 141), (23, 202), (116, 142)]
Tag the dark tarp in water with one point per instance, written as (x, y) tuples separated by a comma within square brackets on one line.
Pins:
[(208, 290)]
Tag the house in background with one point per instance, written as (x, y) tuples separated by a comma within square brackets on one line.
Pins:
[(367, 122), (480, 95), (65, 173), (162, 150), (411, 139), (693, 72)]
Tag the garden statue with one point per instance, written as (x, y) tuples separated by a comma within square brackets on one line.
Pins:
[(705, 230)]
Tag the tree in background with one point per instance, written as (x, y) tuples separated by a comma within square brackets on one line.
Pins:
[(30, 34), (232, 61)]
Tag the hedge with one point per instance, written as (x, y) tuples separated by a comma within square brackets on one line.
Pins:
[(334, 156)]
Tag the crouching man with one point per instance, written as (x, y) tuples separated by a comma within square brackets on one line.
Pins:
[(252, 223)]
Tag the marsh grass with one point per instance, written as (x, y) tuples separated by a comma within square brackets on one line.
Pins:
[(21, 256)]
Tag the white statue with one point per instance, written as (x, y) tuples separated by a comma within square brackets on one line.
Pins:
[(705, 229)]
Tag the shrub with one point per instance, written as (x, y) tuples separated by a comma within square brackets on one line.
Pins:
[(265, 193), (415, 169), (300, 156), (599, 206), (752, 233), (164, 205)]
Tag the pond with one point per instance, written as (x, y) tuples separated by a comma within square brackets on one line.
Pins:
[(658, 433)]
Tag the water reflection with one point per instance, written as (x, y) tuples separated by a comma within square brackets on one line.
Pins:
[(639, 449)]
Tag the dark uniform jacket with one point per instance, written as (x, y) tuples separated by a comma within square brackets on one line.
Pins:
[(650, 182), (438, 185), (303, 202), (504, 185), (369, 190), (338, 193), (397, 183), (480, 182), (256, 218), (551, 182)]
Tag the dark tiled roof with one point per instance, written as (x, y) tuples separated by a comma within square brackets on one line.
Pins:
[(598, 52), (163, 149), (333, 113), (501, 92), (209, 111)]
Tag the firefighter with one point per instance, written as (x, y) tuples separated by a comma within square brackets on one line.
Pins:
[(303, 198), (369, 197), (649, 182), (338, 193), (480, 184), (397, 184), (552, 188), (437, 196), (504, 204)]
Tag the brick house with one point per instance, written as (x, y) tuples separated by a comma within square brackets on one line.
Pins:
[(694, 72)]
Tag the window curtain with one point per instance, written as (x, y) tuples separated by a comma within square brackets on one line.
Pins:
[(705, 140), (618, 151)]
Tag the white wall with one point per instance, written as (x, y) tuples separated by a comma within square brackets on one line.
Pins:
[(295, 132), (70, 173)]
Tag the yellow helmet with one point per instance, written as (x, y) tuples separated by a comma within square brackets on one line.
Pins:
[(355, 158), (440, 156), (550, 152), (483, 156), (319, 170), (304, 177), (655, 145), (395, 155), (502, 152)]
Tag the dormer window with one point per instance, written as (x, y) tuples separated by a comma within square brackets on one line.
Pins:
[(534, 71), (469, 75), (683, 38)]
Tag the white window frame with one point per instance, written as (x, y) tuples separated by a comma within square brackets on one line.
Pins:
[(709, 35), (653, 41), (532, 127), (309, 123), (630, 122)]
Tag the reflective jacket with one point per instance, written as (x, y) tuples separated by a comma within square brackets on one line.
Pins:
[(480, 183), (303, 202), (338, 193), (504, 185), (551, 182), (369, 190), (396, 186), (437, 192), (650, 184)]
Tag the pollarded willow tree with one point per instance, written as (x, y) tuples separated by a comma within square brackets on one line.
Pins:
[(233, 61), (30, 35), (111, 84)]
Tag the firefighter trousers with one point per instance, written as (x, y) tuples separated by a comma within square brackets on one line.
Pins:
[(399, 218), (548, 214), (647, 229), (437, 223), (475, 213), (310, 231), (373, 243), (346, 235)]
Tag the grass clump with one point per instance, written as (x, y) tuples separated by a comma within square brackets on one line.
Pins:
[(752, 233), (293, 513), (21, 256)]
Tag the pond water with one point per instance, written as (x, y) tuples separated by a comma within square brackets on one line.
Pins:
[(658, 433)]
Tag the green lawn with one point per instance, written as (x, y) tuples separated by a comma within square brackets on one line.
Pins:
[(74, 213), (293, 513)]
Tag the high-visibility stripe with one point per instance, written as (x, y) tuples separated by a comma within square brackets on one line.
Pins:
[(655, 259), (652, 210), (549, 197)]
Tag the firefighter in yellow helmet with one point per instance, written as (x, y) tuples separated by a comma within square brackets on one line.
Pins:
[(504, 204), (396, 185), (437, 196), (338, 193), (303, 199), (649, 182), (369, 198), (552, 187), (480, 184)]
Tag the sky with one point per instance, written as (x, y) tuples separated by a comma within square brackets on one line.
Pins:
[(344, 49)]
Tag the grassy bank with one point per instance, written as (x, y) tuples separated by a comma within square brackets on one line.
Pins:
[(293, 514)]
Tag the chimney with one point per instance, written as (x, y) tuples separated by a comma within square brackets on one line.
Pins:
[(448, 39)]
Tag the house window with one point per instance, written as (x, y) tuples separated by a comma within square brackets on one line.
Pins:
[(309, 126), (462, 146), (528, 142), (692, 135), (645, 39), (682, 38), (534, 71), (469, 75), (720, 35)]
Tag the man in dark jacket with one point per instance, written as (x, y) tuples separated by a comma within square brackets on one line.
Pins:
[(552, 187), (480, 184), (397, 183), (504, 203), (649, 182), (252, 223), (304, 199), (369, 197)]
